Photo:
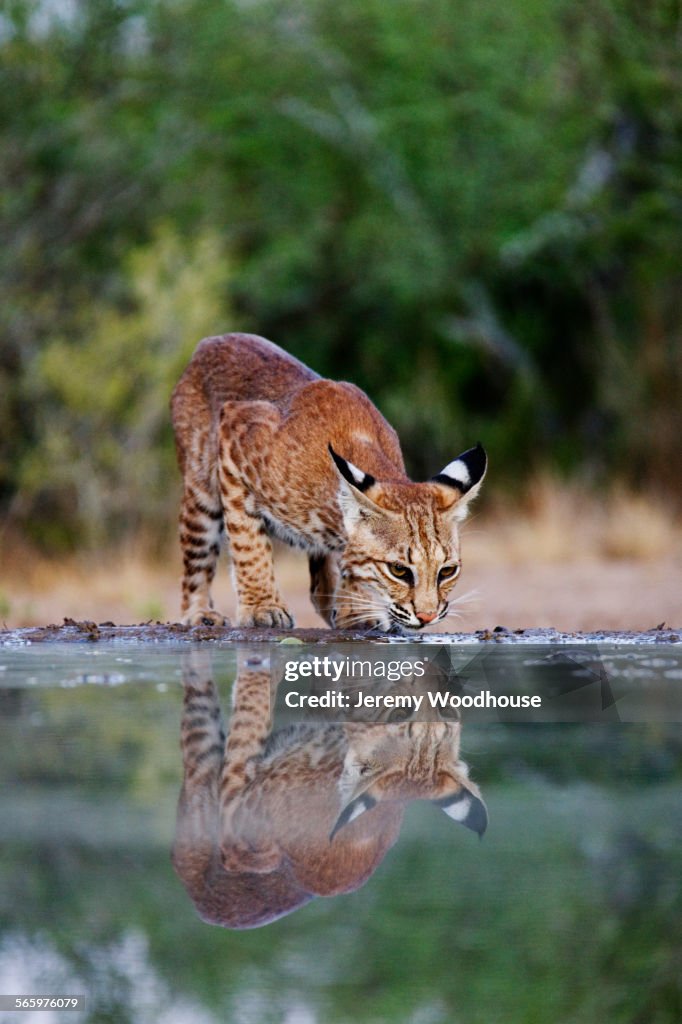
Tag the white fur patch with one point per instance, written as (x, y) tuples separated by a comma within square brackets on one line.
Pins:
[(458, 472), (359, 809), (459, 809), (356, 473)]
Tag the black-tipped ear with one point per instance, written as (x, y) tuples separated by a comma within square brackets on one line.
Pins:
[(467, 470), (354, 476), (352, 811), (466, 808)]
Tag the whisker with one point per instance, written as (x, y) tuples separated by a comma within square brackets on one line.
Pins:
[(354, 609), (467, 598), (369, 622), (367, 609), (359, 616), (352, 605), (374, 605), (464, 528)]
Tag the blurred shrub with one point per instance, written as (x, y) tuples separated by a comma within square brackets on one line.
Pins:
[(471, 209), (104, 459)]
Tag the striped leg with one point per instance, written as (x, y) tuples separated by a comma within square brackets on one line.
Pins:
[(246, 842), (202, 733), (201, 526), (203, 749), (259, 600)]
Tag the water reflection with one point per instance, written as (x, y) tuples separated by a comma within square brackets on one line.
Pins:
[(575, 890), (267, 819)]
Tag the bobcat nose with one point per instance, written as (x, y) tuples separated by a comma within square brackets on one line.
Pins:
[(426, 617)]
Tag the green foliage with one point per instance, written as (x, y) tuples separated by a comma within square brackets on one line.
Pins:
[(471, 209), (103, 397)]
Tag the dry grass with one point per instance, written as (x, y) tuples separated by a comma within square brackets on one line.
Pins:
[(566, 523), (122, 586), (562, 559)]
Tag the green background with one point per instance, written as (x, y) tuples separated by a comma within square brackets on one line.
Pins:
[(471, 209)]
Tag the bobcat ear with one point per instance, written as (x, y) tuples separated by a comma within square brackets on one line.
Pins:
[(461, 480), (355, 477), (467, 808), (355, 503), (351, 811), (466, 472)]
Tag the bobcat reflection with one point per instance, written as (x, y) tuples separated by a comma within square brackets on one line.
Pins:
[(266, 821)]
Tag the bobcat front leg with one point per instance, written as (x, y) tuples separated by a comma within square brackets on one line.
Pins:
[(246, 431), (203, 749), (245, 842), (324, 578)]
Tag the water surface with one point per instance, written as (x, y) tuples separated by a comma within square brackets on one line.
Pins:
[(569, 909)]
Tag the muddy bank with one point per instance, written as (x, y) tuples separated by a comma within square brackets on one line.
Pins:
[(72, 631)]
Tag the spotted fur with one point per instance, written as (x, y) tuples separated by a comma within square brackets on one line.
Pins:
[(268, 448), (267, 821)]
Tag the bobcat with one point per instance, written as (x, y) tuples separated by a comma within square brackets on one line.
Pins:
[(267, 821), (267, 447)]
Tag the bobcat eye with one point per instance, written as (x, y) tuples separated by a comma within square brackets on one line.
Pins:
[(448, 572), (400, 571)]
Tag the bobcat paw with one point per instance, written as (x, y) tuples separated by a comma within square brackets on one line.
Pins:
[(206, 617), (267, 615)]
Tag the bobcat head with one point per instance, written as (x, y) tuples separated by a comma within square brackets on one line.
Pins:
[(394, 764), (402, 557)]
